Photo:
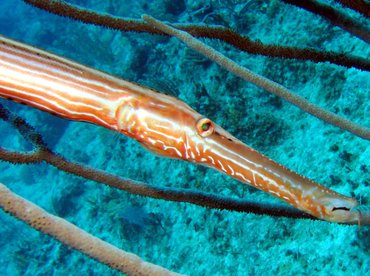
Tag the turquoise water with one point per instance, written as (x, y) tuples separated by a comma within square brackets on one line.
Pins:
[(183, 237)]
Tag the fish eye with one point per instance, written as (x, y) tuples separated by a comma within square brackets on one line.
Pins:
[(205, 127)]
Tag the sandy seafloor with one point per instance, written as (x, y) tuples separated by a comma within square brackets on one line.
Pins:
[(183, 237)]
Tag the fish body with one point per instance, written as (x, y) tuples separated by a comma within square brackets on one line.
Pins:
[(163, 124)]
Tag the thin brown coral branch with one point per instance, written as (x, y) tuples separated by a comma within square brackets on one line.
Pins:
[(199, 30), (360, 6), (260, 81), (335, 17)]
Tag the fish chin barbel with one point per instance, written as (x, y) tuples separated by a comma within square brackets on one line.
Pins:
[(161, 123)]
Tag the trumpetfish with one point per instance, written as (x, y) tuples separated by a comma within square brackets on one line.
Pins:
[(163, 124)]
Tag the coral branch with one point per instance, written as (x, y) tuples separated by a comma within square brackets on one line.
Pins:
[(359, 6), (70, 235), (260, 81), (334, 16), (198, 30)]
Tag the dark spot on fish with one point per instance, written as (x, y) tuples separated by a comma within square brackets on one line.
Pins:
[(340, 208)]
